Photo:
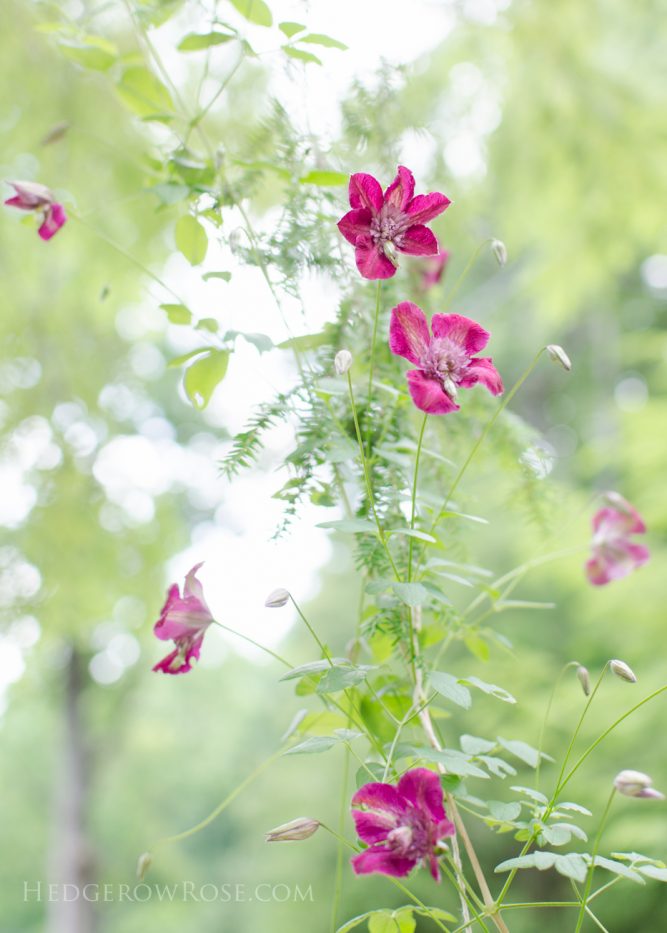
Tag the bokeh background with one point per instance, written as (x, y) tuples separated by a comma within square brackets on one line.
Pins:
[(545, 123)]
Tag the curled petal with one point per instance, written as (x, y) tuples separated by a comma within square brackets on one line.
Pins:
[(428, 394), (481, 369), (379, 859), (365, 191), (180, 661), (408, 332), (616, 501), (373, 825), (615, 562), (379, 796), (462, 330), (400, 191), (30, 195), (418, 241), (192, 585), (371, 260), (427, 206), (54, 219), (355, 223), (422, 788), (611, 523)]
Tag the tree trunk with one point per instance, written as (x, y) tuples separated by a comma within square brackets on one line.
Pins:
[(71, 861)]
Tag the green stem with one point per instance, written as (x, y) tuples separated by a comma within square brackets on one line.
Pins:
[(325, 651), (449, 296), (591, 870), (371, 367), (255, 644), (413, 897), (367, 479), (414, 495), (167, 840), (552, 696)]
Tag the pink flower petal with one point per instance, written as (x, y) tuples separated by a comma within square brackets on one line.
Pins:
[(31, 195), (355, 223), (462, 330), (418, 241), (428, 394), (433, 269), (422, 788), (20, 203), (166, 665), (427, 206), (481, 369), (373, 826), (610, 522), (53, 220), (408, 332), (371, 261), (379, 796), (379, 859), (365, 191), (192, 585), (616, 501), (400, 191), (614, 562)]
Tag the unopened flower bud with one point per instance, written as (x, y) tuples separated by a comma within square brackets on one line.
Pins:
[(584, 679), (389, 250), (342, 362), (499, 250), (144, 862), (277, 599), (558, 355), (295, 831), (636, 784), (621, 669)]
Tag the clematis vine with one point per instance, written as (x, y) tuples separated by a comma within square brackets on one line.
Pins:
[(184, 620), (402, 825), (31, 196), (615, 554), (445, 361), (380, 224)]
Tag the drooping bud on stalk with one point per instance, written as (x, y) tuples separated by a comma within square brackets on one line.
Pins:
[(636, 784), (499, 250), (295, 831), (277, 599), (342, 362), (621, 669), (144, 862), (584, 679), (558, 355)]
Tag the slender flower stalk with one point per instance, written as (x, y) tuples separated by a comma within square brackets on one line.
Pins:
[(591, 870)]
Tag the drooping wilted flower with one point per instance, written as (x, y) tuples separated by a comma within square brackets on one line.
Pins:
[(184, 620), (294, 831), (402, 825), (622, 670), (31, 196), (342, 362), (558, 355), (380, 225), (445, 361), (277, 599), (636, 784), (615, 555)]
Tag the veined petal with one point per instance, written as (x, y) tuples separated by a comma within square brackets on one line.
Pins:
[(616, 501), (384, 861), (610, 522), (54, 219), (371, 260), (400, 191), (422, 788), (192, 585), (418, 240), (31, 194), (365, 191), (462, 330), (179, 661), (426, 206), (355, 223), (408, 332), (379, 796), (428, 394), (481, 369), (373, 825)]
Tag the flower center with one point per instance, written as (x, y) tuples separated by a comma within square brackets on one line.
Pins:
[(413, 838), (446, 361), (388, 226)]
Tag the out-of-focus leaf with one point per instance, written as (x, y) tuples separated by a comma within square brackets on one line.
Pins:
[(204, 375)]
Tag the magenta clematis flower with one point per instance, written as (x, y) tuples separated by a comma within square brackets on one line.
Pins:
[(184, 620), (433, 269), (401, 824), (31, 196), (615, 555), (445, 361), (380, 223)]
